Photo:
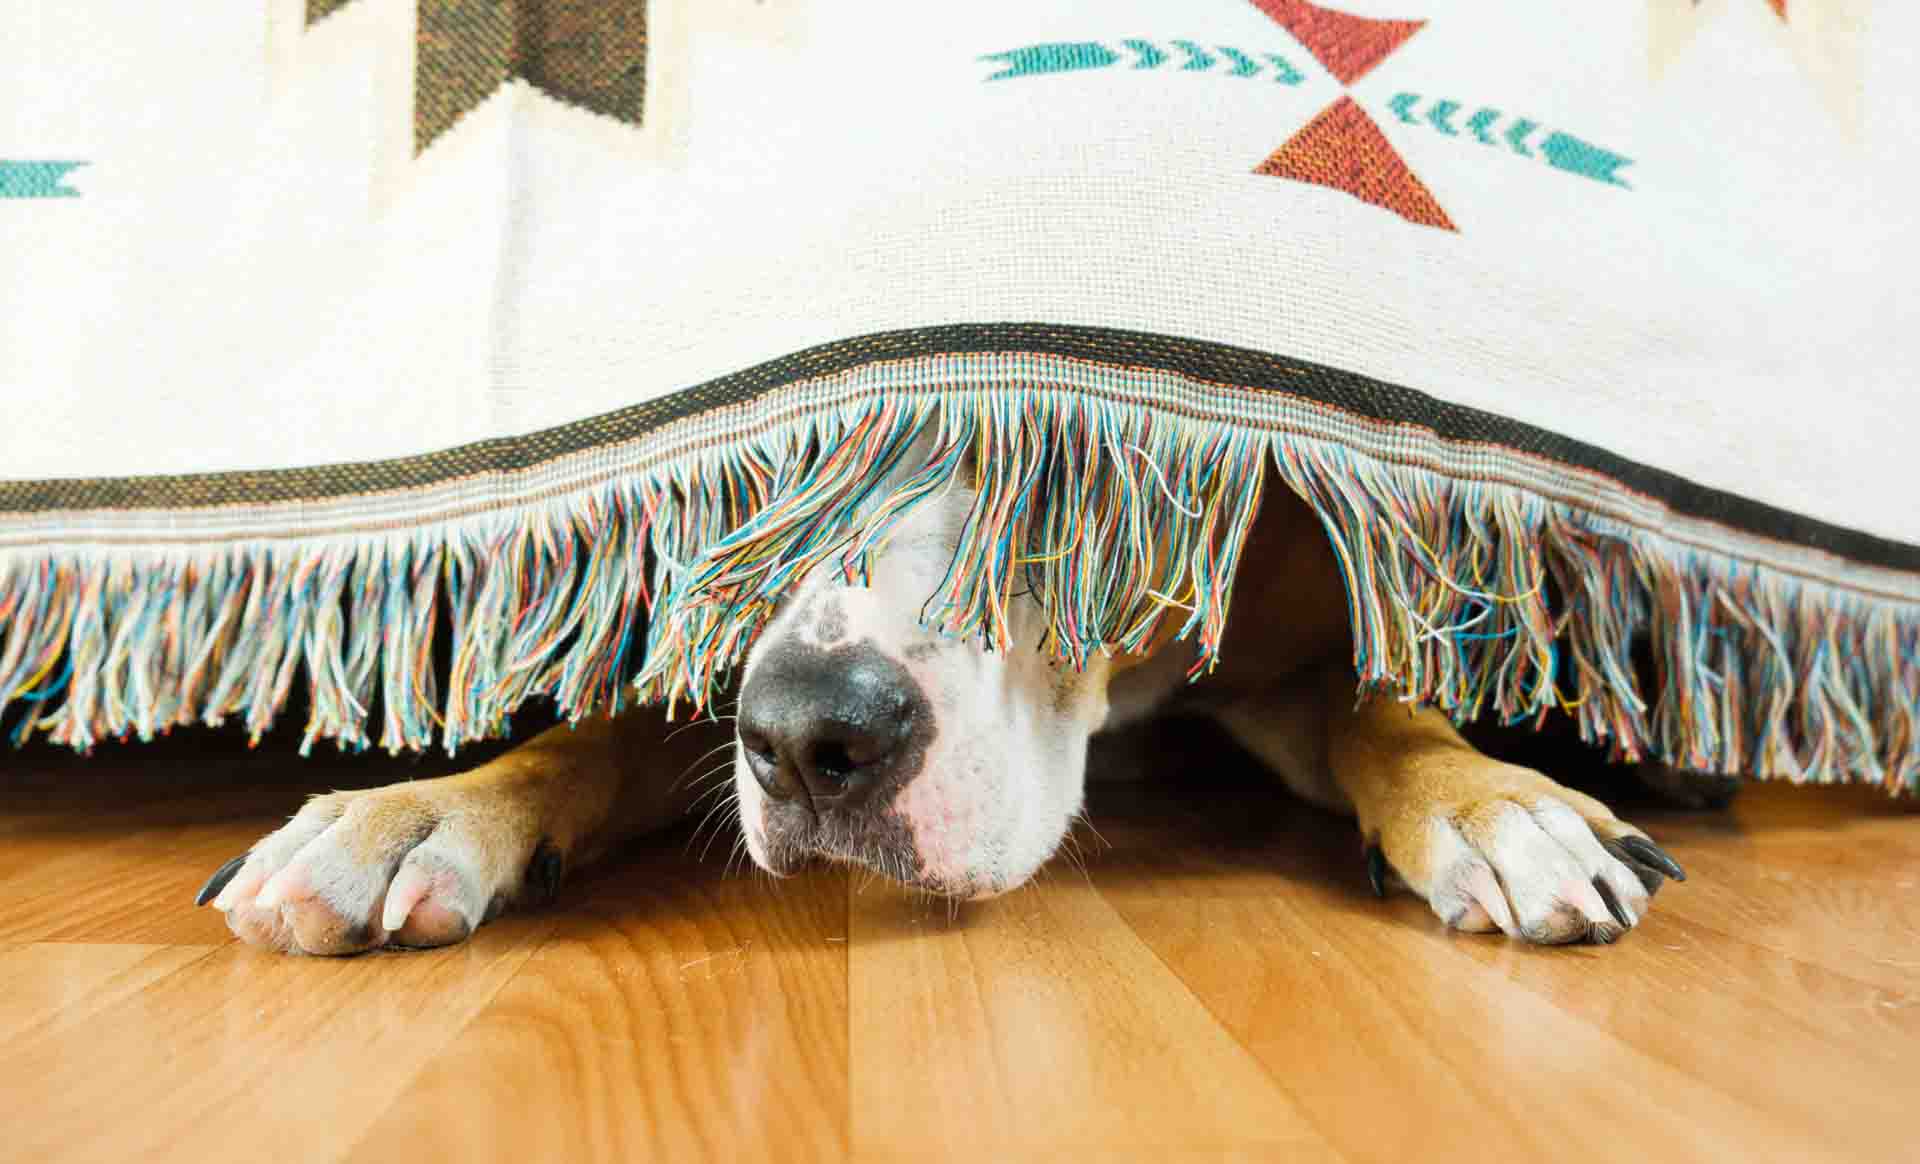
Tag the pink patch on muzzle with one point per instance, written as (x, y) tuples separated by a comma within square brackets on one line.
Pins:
[(942, 827)]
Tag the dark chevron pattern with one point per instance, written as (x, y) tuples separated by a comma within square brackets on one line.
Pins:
[(589, 53)]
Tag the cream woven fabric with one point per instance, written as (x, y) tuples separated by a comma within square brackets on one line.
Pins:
[(571, 331)]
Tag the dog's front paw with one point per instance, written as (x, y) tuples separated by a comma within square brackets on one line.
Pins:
[(418, 864), (1500, 847)]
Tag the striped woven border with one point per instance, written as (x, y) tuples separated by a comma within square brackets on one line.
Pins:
[(1192, 377)]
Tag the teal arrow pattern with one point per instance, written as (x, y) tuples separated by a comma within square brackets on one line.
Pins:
[(37, 179), (1517, 136), (1561, 150), (1197, 59), (1288, 75), (1243, 65), (1072, 56), (1150, 56), (1564, 151), (1481, 122), (1059, 57)]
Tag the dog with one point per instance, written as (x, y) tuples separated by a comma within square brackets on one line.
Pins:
[(864, 736)]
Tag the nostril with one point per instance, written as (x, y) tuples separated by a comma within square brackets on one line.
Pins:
[(776, 779), (756, 744), (833, 762), (843, 763), (839, 761)]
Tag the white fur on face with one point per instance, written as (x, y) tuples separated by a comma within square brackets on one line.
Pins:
[(1004, 771)]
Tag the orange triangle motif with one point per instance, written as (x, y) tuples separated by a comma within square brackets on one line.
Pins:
[(1347, 45), (1343, 149)]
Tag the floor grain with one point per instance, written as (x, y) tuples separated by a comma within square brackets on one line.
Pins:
[(673, 1013), (1040, 1022), (1216, 984)]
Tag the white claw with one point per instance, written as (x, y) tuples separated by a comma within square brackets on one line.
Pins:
[(409, 886)]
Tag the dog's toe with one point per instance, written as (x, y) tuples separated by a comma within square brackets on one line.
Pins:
[(1562, 885), (437, 898), (1535, 866), (355, 872)]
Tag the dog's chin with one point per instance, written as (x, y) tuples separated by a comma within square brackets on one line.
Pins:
[(980, 887), (784, 847)]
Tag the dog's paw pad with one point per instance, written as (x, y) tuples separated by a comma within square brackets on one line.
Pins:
[(357, 871)]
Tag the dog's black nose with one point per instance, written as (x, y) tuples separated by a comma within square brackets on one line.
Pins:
[(826, 727)]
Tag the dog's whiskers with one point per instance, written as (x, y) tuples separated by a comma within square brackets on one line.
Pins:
[(699, 760), (717, 785), (1069, 852), (739, 850), (718, 806), (700, 721), (729, 802), (719, 791), (1081, 818)]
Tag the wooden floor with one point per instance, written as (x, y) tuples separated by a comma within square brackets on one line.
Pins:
[(1217, 983)]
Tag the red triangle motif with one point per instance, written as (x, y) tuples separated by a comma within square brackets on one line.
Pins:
[(1347, 45), (1343, 149), (1779, 8)]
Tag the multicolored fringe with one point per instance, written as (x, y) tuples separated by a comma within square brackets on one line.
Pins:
[(1123, 517), (1474, 597)]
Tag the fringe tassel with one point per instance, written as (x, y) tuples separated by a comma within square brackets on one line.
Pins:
[(1125, 522), (1475, 598)]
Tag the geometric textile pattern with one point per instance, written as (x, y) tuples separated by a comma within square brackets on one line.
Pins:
[(1560, 150), (1349, 46), (37, 179), (589, 53), (1344, 150)]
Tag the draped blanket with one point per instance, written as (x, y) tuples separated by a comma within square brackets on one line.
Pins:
[(568, 333)]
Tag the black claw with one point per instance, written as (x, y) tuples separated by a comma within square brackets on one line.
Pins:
[(219, 880), (1651, 879), (545, 870), (1377, 869), (1614, 907), (1649, 853)]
